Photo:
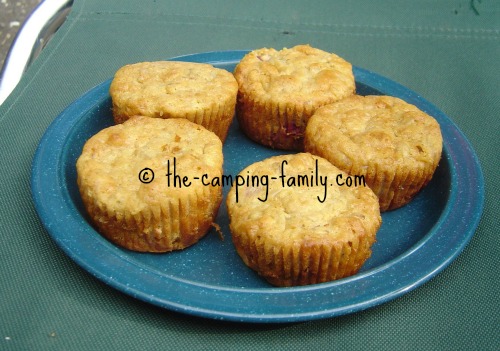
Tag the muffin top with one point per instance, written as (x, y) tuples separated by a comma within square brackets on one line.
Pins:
[(111, 162), (170, 88), (294, 213), (302, 74), (375, 129)]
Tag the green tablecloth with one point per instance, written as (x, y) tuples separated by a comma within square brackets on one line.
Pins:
[(447, 51)]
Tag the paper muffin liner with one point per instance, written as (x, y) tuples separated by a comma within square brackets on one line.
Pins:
[(394, 187), (280, 126), (295, 264), (217, 118), (174, 225)]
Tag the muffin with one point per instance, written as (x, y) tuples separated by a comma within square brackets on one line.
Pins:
[(296, 226), (279, 90), (199, 92), (137, 182), (395, 146)]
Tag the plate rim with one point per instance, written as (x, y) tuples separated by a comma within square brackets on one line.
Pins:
[(89, 99)]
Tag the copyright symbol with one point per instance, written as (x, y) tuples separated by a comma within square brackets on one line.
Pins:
[(146, 175)]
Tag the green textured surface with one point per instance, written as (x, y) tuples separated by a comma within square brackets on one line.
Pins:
[(449, 53)]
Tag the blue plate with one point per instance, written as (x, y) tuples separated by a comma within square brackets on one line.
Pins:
[(209, 279)]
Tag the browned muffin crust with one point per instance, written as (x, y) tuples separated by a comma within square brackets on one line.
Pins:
[(199, 92), (280, 90), (159, 216), (292, 238), (393, 144)]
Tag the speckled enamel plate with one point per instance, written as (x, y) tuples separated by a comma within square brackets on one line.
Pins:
[(209, 279)]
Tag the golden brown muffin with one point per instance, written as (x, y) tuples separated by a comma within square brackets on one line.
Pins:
[(199, 92), (393, 144), (168, 213), (299, 234), (280, 90)]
